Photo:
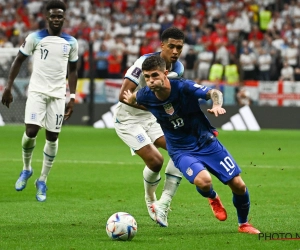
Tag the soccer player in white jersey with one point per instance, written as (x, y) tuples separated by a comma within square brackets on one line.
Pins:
[(55, 54), (140, 131)]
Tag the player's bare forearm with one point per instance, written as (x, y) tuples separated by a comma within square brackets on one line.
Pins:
[(216, 96), (217, 99), (72, 78)]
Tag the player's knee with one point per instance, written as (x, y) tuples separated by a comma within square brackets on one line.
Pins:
[(203, 180), (156, 163), (237, 185), (51, 136), (31, 132)]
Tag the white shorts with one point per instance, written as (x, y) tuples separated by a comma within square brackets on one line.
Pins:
[(139, 134), (45, 111)]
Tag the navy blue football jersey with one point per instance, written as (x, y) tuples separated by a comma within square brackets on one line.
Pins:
[(185, 126)]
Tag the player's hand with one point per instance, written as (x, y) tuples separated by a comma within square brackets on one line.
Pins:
[(216, 110), (69, 109), (128, 97), (7, 97)]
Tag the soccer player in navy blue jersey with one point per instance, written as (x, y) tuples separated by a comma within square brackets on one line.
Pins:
[(190, 138)]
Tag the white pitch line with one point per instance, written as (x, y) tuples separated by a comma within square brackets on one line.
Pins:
[(80, 162)]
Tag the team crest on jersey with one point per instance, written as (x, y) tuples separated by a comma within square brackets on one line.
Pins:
[(33, 116), (189, 172), (169, 108), (140, 138), (136, 72), (65, 49)]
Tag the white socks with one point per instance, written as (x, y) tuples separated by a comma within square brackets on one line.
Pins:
[(28, 145), (151, 181), (172, 181), (50, 151)]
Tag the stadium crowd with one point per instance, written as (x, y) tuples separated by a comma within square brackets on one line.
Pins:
[(226, 40)]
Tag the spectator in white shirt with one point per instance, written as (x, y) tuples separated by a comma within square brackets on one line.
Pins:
[(287, 72), (205, 59), (290, 54), (264, 62), (248, 61)]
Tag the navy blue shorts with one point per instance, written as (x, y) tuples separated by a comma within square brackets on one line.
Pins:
[(213, 157)]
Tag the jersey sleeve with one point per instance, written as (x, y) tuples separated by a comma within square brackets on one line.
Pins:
[(178, 68), (134, 73), (195, 89), (73, 57), (29, 44)]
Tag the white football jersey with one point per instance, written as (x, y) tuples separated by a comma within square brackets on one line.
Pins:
[(125, 112), (51, 55)]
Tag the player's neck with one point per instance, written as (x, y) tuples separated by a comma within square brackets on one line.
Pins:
[(54, 33)]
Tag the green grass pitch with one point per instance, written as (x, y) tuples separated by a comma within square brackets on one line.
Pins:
[(94, 176)]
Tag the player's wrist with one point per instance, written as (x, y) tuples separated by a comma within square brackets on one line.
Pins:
[(72, 96)]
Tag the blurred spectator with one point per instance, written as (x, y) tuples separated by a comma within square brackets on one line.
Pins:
[(291, 54), (214, 13), (255, 33), (296, 12), (192, 36), (264, 62), (101, 59), (265, 16), (115, 64), (231, 72), (86, 64), (4, 42), (34, 6), (275, 23), (93, 17), (204, 61), (248, 61), (287, 72), (132, 51), (221, 54), (190, 62), (216, 72), (145, 47), (180, 20), (233, 28)]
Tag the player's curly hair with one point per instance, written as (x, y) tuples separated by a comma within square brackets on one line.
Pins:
[(172, 32), (154, 62), (56, 4)]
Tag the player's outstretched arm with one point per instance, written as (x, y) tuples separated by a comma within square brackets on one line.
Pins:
[(217, 99), (7, 97)]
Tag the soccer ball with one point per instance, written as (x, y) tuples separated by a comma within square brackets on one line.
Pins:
[(121, 226)]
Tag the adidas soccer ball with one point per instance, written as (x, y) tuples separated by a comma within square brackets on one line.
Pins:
[(121, 226)]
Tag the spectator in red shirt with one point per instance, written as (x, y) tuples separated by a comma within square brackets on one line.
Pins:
[(115, 64), (255, 33), (146, 47), (180, 20)]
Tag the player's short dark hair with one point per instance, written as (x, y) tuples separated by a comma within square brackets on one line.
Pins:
[(154, 62), (172, 32), (56, 4)]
